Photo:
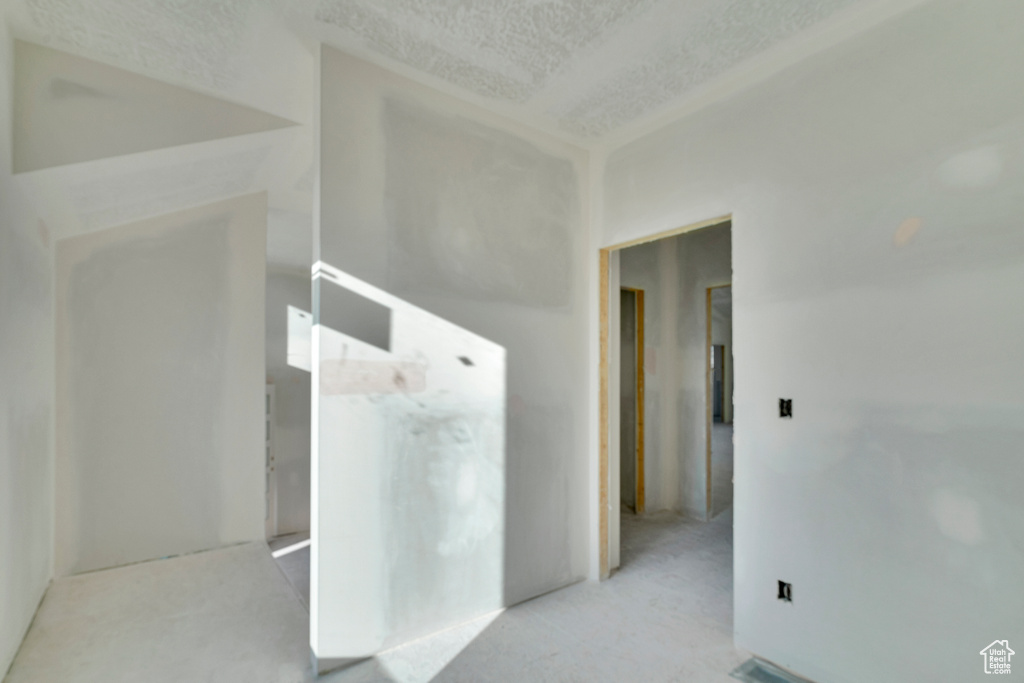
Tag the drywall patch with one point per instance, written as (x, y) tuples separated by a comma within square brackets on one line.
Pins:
[(148, 321), (476, 211)]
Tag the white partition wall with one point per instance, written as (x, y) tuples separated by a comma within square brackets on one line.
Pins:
[(455, 233), (408, 490)]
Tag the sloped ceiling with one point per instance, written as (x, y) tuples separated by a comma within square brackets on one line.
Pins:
[(70, 109), (127, 109)]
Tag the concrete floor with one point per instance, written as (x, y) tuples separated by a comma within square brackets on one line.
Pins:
[(223, 615), (231, 615), (295, 565)]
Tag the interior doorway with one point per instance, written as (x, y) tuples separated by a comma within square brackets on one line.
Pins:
[(631, 403), (658, 403)]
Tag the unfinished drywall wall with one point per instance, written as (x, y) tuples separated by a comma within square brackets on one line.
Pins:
[(69, 109), (26, 394), (878, 260), (160, 374), (478, 221), (410, 485), (675, 273), (289, 287)]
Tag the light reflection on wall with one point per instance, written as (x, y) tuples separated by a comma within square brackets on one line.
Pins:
[(408, 471)]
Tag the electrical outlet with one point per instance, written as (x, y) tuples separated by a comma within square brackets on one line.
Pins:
[(785, 591), (785, 407)]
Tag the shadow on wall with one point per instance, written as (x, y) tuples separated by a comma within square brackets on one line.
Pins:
[(410, 466)]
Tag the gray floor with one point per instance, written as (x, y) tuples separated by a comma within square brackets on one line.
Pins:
[(230, 615), (295, 564), (222, 615)]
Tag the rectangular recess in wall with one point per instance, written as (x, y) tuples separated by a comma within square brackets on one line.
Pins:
[(353, 314)]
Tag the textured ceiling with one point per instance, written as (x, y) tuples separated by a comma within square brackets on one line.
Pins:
[(580, 66), (505, 50)]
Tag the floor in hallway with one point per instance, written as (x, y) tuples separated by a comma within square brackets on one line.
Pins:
[(231, 615)]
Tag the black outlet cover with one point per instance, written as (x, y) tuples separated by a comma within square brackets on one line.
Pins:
[(785, 591), (785, 407)]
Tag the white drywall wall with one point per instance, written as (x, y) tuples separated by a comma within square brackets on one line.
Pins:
[(878, 259), (479, 221), (675, 273), (160, 374), (26, 394), (287, 287), (410, 477)]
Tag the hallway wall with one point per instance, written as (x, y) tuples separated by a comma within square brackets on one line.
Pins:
[(675, 273), (160, 373), (878, 254), (26, 393)]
